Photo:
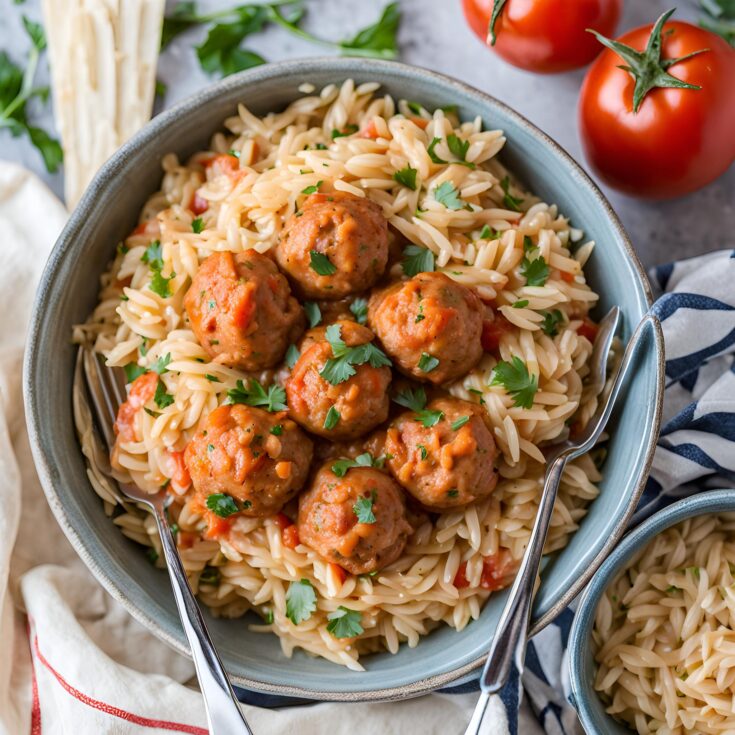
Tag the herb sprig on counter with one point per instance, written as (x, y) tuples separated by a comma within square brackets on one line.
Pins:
[(16, 90), (222, 51)]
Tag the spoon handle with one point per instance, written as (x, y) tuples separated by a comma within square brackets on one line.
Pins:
[(224, 715)]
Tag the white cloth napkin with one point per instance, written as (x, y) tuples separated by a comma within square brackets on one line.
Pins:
[(71, 659)]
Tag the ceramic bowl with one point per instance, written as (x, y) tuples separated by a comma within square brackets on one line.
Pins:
[(582, 666), (68, 293)]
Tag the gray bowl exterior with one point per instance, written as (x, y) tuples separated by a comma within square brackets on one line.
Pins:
[(68, 293), (582, 666)]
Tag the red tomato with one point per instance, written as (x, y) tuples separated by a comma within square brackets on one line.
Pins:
[(290, 536), (545, 35), (338, 572), (496, 569), (180, 478), (460, 579), (679, 139), (588, 329), (198, 205), (492, 331)]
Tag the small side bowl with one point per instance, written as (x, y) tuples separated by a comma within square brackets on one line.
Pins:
[(582, 667)]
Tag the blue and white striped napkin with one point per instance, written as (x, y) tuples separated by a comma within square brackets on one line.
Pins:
[(696, 449)]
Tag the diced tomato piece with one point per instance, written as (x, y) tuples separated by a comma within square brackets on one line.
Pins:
[(460, 579), (420, 122), (198, 204), (180, 478), (141, 391), (290, 536), (186, 539), (492, 331), (217, 527), (369, 131), (282, 521), (495, 570), (338, 572), (223, 163), (566, 276), (588, 329)]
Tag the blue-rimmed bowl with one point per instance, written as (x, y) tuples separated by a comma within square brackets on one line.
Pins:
[(68, 293), (582, 665)]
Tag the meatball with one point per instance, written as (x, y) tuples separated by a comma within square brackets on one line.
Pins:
[(449, 464), (242, 311), (430, 325), (259, 459), (343, 410), (357, 521), (337, 244)]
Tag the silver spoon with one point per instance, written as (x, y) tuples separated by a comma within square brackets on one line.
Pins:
[(508, 645), (106, 388)]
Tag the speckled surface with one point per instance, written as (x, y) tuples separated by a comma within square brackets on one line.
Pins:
[(434, 35)]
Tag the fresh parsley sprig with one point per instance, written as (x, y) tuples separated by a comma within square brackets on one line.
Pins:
[(363, 508), (341, 366), (517, 381), (340, 466), (415, 400), (448, 195), (300, 601), (359, 309), (417, 260), (222, 505), (16, 90), (273, 399), (344, 623)]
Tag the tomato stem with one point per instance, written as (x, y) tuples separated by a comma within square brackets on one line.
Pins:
[(497, 9), (647, 67)]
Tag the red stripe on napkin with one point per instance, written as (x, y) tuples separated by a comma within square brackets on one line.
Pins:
[(108, 708), (35, 703)]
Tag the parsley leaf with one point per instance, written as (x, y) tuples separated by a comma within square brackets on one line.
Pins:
[(417, 260), (459, 148), (274, 399), (16, 89), (339, 368), (428, 362), (528, 245), (300, 601), (448, 195), (536, 272), (460, 422), (332, 418), (346, 131), (161, 364), (359, 309), (363, 508), (161, 284), (133, 371), (377, 40), (153, 255), (550, 324), (210, 575), (340, 466), (313, 189), (197, 225), (344, 623), (406, 177), (509, 201), (430, 151), (313, 313), (292, 356), (415, 399), (222, 505), (277, 430), (517, 381), (321, 264), (429, 417), (520, 304), (162, 397)]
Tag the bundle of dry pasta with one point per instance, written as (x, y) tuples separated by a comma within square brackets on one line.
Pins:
[(103, 65)]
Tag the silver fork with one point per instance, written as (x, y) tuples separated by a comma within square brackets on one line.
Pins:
[(106, 387), (508, 645)]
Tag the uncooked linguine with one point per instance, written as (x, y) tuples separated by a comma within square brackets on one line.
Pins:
[(350, 139), (665, 632)]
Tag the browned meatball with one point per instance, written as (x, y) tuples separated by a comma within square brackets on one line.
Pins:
[(430, 325), (259, 459), (449, 464), (337, 244), (343, 410), (357, 521), (242, 311)]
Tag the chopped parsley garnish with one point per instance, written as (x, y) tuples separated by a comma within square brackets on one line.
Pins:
[(268, 617), (448, 195), (197, 225), (210, 575), (528, 245), (536, 271), (453, 493), (487, 233), (162, 397), (415, 399), (359, 308), (321, 264), (550, 324), (509, 201), (415, 107), (459, 148), (344, 623), (422, 450), (417, 260), (273, 399), (406, 177), (277, 430), (346, 131), (312, 189), (313, 313), (520, 304), (212, 378), (161, 364), (292, 356), (160, 284), (153, 255), (363, 508), (340, 466), (222, 505), (332, 418), (430, 151), (133, 371), (461, 421), (517, 381), (300, 601), (428, 362), (340, 367), (420, 315), (152, 555)]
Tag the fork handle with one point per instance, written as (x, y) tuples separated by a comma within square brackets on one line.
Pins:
[(224, 715), (509, 642)]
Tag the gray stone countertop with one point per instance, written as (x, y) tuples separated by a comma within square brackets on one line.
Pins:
[(434, 35)]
